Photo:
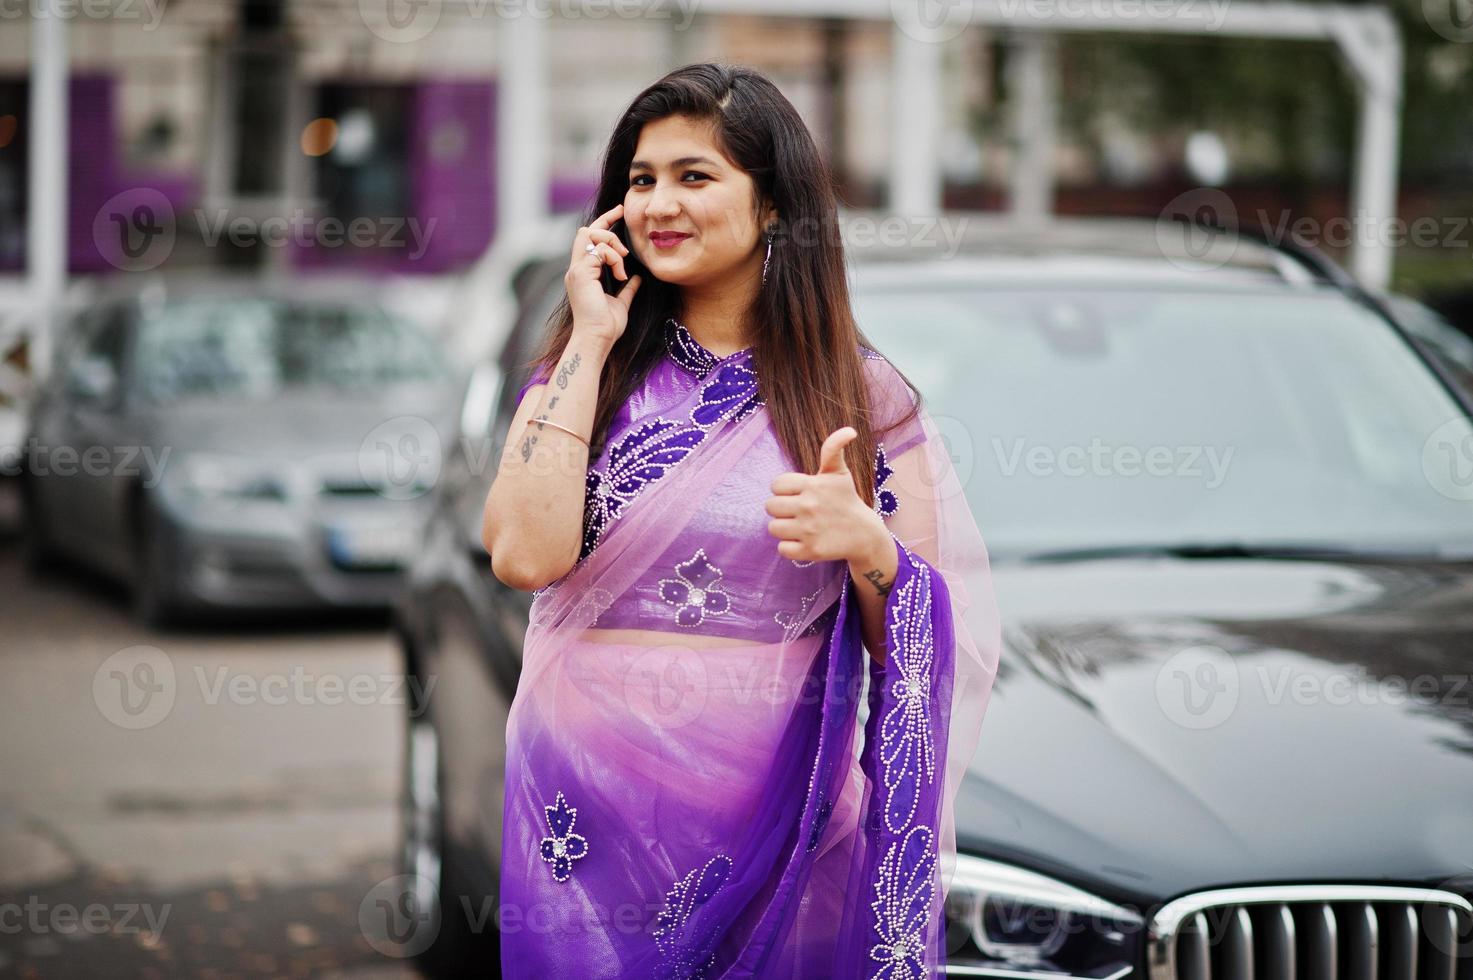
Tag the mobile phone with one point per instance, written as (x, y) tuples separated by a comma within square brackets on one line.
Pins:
[(612, 283)]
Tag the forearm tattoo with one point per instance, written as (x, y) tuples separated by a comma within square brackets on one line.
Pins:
[(531, 439), (566, 371), (876, 578), (527, 445)]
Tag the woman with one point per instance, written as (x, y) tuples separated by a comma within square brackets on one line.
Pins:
[(721, 496)]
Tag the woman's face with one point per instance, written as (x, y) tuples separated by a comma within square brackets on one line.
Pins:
[(709, 199)]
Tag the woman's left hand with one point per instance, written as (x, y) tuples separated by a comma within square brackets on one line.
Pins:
[(820, 516)]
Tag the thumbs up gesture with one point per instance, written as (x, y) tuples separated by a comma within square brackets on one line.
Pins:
[(820, 516)]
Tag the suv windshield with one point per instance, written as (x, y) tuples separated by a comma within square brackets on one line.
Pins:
[(259, 347), (1096, 419)]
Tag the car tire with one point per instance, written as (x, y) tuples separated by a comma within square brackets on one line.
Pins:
[(450, 946), (151, 599), (37, 554)]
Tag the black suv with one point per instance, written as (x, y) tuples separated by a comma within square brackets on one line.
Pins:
[(1229, 517)]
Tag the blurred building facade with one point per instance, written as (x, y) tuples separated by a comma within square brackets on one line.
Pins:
[(316, 109)]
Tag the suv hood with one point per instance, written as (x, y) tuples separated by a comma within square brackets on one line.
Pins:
[(1161, 725)]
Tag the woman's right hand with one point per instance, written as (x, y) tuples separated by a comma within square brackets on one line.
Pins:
[(595, 312)]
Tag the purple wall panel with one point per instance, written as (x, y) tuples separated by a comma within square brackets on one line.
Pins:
[(451, 154), (92, 142)]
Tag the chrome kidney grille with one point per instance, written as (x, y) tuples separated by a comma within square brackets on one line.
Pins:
[(1313, 932)]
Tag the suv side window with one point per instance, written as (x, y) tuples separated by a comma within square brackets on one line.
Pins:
[(544, 292), (96, 359)]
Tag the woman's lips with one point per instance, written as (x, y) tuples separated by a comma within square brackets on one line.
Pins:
[(667, 240)]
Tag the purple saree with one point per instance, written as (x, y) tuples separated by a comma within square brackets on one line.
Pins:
[(688, 791)]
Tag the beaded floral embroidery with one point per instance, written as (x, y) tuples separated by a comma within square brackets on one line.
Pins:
[(907, 749), (697, 591), (903, 895), (791, 619), (648, 452), (689, 955), (686, 351), (562, 847), (886, 503), (904, 882)]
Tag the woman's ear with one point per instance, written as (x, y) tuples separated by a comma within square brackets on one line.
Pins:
[(770, 222)]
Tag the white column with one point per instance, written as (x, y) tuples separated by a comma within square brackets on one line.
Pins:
[(1371, 46), (915, 130), (1033, 76), (46, 221), (523, 123)]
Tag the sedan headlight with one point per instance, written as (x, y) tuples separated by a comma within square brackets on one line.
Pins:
[(223, 478), (1005, 921)]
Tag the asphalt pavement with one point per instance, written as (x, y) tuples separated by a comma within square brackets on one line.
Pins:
[(206, 802)]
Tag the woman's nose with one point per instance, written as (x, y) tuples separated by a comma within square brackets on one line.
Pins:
[(662, 204)]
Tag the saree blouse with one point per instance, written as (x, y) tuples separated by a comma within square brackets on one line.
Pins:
[(693, 588)]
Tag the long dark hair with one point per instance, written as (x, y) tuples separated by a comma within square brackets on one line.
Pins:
[(805, 341)]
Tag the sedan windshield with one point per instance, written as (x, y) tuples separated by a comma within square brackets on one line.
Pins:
[(1097, 421), (260, 347)]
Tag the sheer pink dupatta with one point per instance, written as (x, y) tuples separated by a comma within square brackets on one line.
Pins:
[(686, 844)]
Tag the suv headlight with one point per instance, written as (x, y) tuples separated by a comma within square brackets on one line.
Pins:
[(1005, 921)]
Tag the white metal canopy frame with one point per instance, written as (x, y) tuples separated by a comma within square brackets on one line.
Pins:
[(1366, 37)]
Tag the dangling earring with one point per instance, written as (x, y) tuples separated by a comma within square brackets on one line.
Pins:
[(766, 260)]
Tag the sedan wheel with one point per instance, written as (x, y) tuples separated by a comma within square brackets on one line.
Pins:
[(152, 603)]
